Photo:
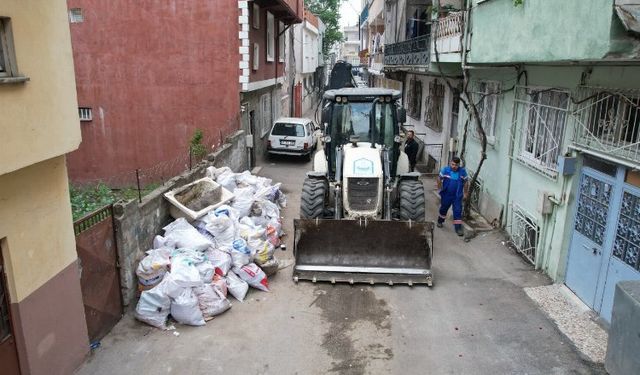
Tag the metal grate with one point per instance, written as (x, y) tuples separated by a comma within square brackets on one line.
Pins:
[(626, 246), (363, 193), (485, 95), (475, 193), (85, 114), (540, 116), (92, 219), (608, 121), (524, 232), (76, 15)]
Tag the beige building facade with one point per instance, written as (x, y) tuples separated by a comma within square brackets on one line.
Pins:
[(44, 329)]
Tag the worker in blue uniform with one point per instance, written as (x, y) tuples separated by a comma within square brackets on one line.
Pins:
[(453, 187)]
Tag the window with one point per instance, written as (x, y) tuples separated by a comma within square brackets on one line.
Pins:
[(8, 66), (265, 106), (525, 233), (435, 106), (256, 56), (255, 15), (75, 15), (414, 99), (543, 121), (291, 130), (281, 52), (85, 114), (486, 98), (270, 37)]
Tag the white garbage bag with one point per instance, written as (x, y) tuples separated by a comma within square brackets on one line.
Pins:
[(240, 254), (206, 270), (153, 267), (186, 310), (226, 178), (236, 286), (210, 301), (221, 261), (184, 272), (223, 229), (185, 235), (243, 200), (253, 275), (153, 307), (220, 283)]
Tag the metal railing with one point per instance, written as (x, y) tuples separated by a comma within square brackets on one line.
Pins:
[(450, 25), (414, 51), (608, 121), (524, 232)]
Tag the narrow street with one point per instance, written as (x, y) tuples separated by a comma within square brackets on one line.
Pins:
[(475, 320)]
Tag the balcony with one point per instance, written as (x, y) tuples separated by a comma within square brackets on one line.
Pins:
[(413, 52), (287, 11), (449, 37)]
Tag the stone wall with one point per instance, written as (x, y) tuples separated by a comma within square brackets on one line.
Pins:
[(137, 223)]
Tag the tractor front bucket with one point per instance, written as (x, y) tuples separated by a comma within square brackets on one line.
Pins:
[(361, 251)]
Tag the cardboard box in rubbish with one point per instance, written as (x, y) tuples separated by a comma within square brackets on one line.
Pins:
[(178, 210)]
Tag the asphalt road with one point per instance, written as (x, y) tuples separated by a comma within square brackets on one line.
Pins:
[(475, 320)]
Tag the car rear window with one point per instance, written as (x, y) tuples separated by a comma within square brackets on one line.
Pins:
[(293, 130)]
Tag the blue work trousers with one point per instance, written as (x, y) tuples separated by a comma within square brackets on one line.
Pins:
[(446, 201)]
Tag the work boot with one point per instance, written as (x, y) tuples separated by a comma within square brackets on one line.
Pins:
[(439, 224), (459, 232)]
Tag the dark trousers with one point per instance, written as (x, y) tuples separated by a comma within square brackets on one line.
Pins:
[(446, 201)]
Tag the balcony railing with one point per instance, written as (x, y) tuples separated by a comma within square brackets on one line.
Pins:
[(449, 31), (410, 52)]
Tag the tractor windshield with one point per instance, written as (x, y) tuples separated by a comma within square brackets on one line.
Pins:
[(354, 119)]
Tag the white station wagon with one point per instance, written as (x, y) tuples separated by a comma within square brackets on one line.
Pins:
[(293, 136)]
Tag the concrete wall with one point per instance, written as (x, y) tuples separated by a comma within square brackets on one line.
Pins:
[(540, 30), (555, 229), (263, 120), (427, 134), (151, 81), (137, 223), (38, 118), (38, 249)]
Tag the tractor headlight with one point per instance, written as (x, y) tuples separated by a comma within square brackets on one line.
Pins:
[(397, 139), (327, 139), (387, 99), (338, 99)]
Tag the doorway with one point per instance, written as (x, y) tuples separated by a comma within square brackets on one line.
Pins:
[(8, 349), (252, 129), (605, 244)]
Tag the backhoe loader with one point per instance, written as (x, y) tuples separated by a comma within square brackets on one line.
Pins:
[(362, 213)]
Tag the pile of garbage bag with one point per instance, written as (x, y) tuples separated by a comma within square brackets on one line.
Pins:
[(193, 267)]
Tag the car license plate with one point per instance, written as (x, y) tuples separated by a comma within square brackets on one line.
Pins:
[(287, 143)]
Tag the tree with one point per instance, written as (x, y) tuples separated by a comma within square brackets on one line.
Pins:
[(329, 12)]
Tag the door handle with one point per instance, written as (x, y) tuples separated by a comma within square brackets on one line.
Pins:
[(594, 250)]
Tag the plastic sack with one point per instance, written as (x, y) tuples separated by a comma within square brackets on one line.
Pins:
[(206, 270), (245, 179), (185, 235), (201, 227), (253, 275), (221, 261), (271, 266), (264, 252), (226, 178), (170, 287), (243, 200), (184, 272), (152, 267), (273, 236), (220, 283), (223, 229), (236, 286), (153, 308), (210, 301), (186, 310), (240, 254)]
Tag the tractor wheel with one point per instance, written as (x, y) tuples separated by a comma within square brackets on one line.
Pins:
[(412, 200), (312, 198)]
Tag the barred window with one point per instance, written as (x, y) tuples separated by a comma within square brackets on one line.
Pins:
[(542, 116), (435, 106), (414, 99), (485, 95)]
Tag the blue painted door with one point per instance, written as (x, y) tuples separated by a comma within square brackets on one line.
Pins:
[(590, 228), (624, 262)]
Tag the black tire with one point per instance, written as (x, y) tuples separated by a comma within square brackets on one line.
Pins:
[(412, 200), (312, 199)]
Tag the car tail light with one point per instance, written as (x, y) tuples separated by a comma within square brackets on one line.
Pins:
[(306, 145)]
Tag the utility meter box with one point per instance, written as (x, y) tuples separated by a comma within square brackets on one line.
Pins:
[(567, 165), (545, 206)]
